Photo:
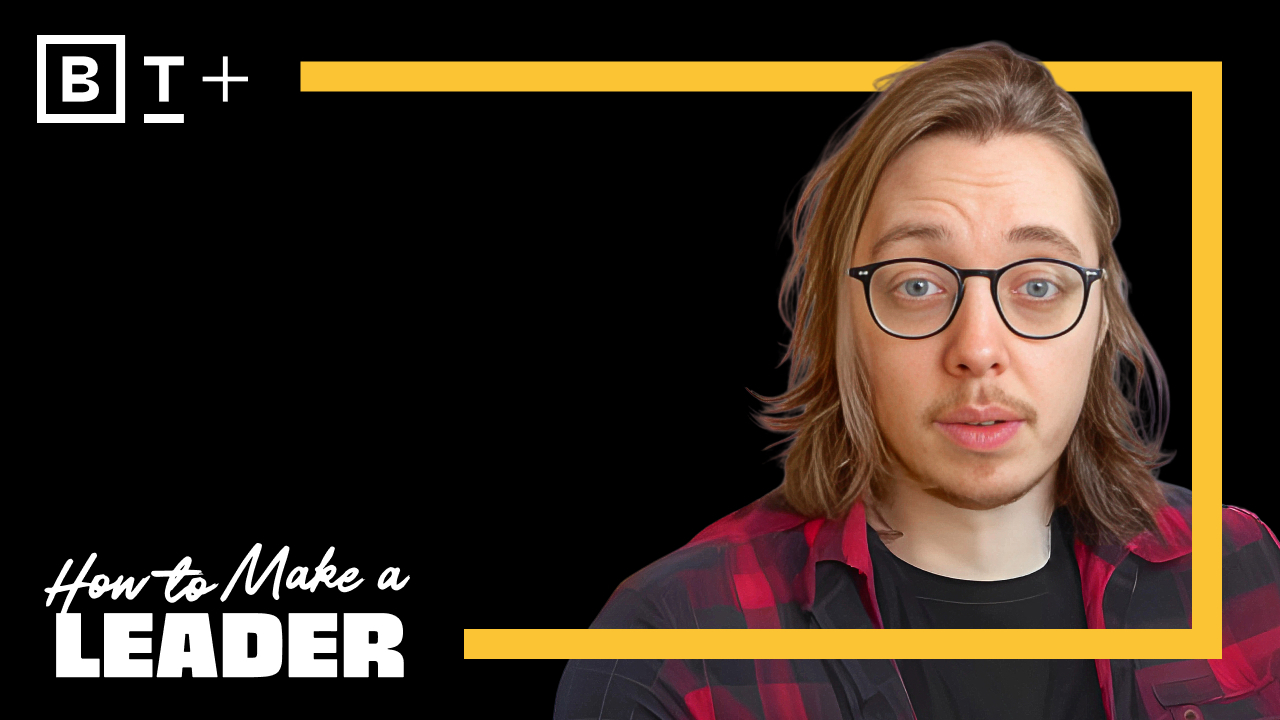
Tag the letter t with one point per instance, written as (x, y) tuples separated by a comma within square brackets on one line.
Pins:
[(163, 62)]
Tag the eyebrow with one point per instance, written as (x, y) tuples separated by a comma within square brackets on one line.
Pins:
[(938, 233)]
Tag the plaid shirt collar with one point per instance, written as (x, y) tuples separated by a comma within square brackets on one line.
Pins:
[(845, 540)]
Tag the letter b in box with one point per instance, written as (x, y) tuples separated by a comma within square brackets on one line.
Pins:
[(79, 78)]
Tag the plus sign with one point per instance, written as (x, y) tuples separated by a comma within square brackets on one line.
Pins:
[(225, 78)]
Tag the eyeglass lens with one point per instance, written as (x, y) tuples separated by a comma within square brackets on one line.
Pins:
[(916, 299)]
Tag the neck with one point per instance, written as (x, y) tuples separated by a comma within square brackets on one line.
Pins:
[(937, 536)]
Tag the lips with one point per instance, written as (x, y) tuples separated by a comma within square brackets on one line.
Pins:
[(980, 437), (1000, 424)]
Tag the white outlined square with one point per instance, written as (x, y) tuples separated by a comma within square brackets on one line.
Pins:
[(42, 41)]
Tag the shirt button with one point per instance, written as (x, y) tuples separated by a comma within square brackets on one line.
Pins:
[(1192, 713)]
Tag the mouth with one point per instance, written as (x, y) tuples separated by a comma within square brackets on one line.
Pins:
[(980, 436)]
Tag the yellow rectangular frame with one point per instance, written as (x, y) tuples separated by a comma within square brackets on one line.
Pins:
[(1202, 79)]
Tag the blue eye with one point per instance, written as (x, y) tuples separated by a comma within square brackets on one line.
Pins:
[(1040, 289), (916, 287)]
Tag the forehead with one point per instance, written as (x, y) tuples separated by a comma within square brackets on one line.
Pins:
[(1012, 195)]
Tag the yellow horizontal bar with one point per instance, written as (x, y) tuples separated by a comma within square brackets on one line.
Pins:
[(593, 76), (661, 76), (868, 644)]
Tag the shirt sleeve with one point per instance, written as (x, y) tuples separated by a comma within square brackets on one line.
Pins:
[(642, 689), (1250, 605), (625, 689)]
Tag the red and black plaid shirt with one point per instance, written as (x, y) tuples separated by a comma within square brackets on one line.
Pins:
[(757, 568)]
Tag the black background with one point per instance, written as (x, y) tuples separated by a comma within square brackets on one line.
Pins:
[(499, 341)]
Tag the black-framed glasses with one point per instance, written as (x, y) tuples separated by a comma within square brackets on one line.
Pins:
[(916, 298)]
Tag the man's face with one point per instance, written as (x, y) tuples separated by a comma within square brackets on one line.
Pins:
[(976, 196)]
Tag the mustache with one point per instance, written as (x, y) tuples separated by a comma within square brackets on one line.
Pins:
[(989, 395)]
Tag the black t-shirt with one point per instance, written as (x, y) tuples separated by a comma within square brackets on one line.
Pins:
[(991, 689)]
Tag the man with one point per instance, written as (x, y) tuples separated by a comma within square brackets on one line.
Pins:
[(966, 454)]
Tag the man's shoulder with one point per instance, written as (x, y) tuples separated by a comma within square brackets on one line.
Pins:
[(1240, 527), (1243, 530), (1176, 495), (764, 518), (753, 553)]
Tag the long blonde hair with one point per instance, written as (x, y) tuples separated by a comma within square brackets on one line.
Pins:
[(836, 452)]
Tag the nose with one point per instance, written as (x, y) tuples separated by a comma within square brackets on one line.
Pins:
[(977, 339)]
